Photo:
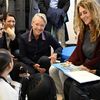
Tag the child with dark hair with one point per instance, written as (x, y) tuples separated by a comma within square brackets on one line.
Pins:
[(6, 66), (38, 87)]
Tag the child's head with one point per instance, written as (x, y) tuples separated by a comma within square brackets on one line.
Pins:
[(6, 61)]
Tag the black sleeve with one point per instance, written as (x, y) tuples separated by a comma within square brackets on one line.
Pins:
[(67, 5), (24, 88), (98, 72), (42, 6), (22, 49), (56, 45)]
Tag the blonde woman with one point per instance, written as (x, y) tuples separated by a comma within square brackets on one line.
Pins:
[(38, 43), (87, 52)]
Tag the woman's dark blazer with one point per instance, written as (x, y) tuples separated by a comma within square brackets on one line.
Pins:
[(78, 57)]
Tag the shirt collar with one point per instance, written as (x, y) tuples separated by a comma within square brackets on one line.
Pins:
[(42, 36)]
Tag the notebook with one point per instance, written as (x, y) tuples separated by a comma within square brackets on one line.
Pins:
[(76, 73)]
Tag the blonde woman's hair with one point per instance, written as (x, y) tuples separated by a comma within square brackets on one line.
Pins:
[(94, 9), (43, 16)]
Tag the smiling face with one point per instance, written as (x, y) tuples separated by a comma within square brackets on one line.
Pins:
[(10, 22), (85, 15), (38, 25)]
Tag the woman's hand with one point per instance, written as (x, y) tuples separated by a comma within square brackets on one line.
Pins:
[(87, 69), (82, 67), (10, 32), (68, 63), (93, 71)]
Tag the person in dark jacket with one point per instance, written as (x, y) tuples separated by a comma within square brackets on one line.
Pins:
[(35, 46), (10, 36), (56, 12), (2, 7)]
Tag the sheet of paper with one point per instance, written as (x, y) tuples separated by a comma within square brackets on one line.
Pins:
[(83, 76)]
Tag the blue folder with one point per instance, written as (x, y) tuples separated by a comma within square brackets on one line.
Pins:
[(66, 52)]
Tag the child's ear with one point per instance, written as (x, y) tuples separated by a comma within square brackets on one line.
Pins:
[(11, 64), (9, 67)]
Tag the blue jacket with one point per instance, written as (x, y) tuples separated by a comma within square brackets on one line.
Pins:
[(62, 4), (56, 16)]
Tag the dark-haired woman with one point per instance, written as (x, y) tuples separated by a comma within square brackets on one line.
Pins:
[(11, 38)]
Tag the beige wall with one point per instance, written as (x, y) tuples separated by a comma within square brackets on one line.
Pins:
[(70, 15), (70, 23)]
